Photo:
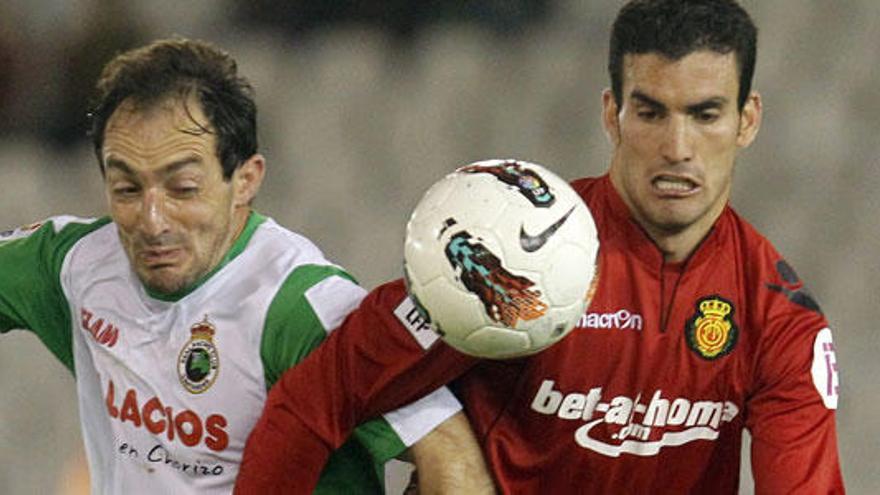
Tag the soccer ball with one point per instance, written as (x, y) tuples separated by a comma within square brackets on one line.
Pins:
[(500, 256)]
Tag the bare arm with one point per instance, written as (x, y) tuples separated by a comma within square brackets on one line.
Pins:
[(449, 460)]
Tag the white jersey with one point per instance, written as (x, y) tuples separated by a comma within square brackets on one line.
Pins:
[(169, 389)]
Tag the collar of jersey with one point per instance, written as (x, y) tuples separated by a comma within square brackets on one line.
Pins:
[(254, 220)]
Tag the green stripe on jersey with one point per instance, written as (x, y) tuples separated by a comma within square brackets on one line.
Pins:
[(292, 330), (31, 297), (292, 327)]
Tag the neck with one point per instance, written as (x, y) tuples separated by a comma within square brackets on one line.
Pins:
[(239, 218), (676, 246)]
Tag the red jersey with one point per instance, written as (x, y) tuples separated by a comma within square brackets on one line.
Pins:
[(649, 394)]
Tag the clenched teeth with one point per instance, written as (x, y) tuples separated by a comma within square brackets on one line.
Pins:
[(671, 184)]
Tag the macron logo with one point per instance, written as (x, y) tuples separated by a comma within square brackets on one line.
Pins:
[(622, 319)]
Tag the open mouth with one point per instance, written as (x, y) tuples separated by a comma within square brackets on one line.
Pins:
[(674, 186)]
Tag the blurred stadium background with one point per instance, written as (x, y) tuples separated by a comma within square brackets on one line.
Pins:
[(366, 103)]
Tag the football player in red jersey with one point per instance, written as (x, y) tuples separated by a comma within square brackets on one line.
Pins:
[(698, 328)]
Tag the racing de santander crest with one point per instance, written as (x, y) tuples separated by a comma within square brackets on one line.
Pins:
[(198, 362), (711, 332)]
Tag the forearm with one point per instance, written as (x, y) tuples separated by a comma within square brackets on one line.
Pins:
[(449, 460)]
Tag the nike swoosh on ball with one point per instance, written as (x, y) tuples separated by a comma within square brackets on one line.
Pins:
[(532, 243)]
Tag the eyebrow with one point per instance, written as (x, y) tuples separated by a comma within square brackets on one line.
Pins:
[(115, 163), (714, 102), (645, 99), (709, 103)]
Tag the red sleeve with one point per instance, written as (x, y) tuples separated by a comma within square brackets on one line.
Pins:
[(791, 415), (374, 363)]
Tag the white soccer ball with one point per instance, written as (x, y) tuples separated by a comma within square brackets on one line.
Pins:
[(500, 256)]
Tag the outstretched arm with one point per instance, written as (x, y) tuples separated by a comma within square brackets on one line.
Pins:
[(381, 358)]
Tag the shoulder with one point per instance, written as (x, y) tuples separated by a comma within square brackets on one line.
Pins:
[(302, 264), (272, 237), (54, 238), (309, 281), (302, 271), (795, 337), (278, 253), (600, 197), (747, 240), (58, 228), (309, 295), (586, 186), (92, 246), (770, 281), (756, 254)]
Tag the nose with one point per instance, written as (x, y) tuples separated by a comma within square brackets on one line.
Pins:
[(676, 146), (154, 219)]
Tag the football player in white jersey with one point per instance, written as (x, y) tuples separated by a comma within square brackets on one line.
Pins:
[(181, 308)]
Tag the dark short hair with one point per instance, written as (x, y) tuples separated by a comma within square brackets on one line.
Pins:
[(676, 28), (179, 68)]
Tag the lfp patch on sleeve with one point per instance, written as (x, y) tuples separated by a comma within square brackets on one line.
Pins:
[(418, 326), (824, 369)]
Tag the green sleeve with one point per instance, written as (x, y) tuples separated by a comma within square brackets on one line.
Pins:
[(31, 297), (292, 330), (292, 327)]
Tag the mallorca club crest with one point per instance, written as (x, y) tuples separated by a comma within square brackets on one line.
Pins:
[(507, 298), (527, 181), (711, 332), (198, 362)]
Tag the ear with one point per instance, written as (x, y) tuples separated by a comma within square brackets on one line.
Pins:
[(610, 114), (749, 120), (247, 178)]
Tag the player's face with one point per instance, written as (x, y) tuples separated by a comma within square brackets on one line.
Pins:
[(676, 135), (177, 216)]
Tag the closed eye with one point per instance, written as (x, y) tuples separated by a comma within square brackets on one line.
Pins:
[(706, 116), (185, 192), (649, 114), (125, 191)]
